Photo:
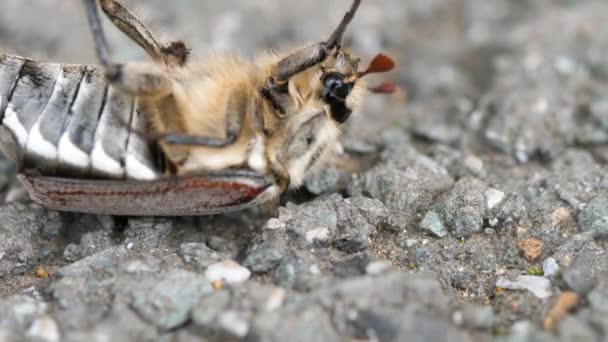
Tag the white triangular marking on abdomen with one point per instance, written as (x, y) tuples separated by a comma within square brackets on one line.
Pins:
[(11, 121), (70, 154), (37, 145), (138, 170), (101, 161)]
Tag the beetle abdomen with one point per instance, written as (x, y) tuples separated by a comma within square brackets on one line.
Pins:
[(67, 120)]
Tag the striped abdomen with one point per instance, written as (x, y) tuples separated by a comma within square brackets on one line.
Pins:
[(66, 120)]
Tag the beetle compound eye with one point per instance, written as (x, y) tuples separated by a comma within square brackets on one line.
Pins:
[(335, 93), (335, 87)]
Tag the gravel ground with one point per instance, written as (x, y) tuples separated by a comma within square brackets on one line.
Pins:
[(481, 214)]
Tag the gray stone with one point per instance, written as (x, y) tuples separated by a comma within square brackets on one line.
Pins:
[(71, 252), (464, 209), (572, 329), (97, 262), (167, 302), (475, 317), (405, 181), (467, 222), (432, 222), (324, 181), (199, 255), (595, 215), (580, 275), (598, 297), (372, 209), (264, 257), (206, 312), (19, 233), (21, 310), (298, 271)]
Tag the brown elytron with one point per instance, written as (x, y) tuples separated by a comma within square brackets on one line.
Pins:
[(172, 124)]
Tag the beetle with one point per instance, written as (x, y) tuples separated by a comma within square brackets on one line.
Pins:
[(175, 136)]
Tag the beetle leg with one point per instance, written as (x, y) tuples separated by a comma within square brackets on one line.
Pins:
[(312, 55), (189, 140), (101, 44), (136, 79), (174, 53), (140, 79)]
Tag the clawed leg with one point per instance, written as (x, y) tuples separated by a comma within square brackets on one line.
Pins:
[(147, 80), (135, 79), (174, 53)]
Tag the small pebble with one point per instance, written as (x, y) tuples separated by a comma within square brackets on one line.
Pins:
[(228, 271), (560, 215), (474, 317), (130, 245), (564, 303), (377, 267), (71, 252), (44, 329), (550, 267), (539, 286), (530, 248), (432, 222), (474, 164), (41, 272), (234, 323), (217, 284), (318, 235), (314, 269), (275, 223), (276, 299), (595, 216), (494, 197)]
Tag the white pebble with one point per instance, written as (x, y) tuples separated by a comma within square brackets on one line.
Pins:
[(275, 223), (494, 197), (228, 271), (550, 267), (44, 329), (276, 299), (458, 318), (130, 245), (234, 323), (314, 269), (539, 286), (318, 235), (474, 164), (377, 267)]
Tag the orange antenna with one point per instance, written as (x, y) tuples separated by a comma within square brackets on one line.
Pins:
[(380, 63)]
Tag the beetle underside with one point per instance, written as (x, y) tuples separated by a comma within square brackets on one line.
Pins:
[(75, 131)]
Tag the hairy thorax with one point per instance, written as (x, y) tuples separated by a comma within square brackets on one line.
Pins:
[(287, 138)]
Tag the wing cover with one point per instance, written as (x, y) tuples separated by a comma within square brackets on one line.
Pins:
[(187, 196)]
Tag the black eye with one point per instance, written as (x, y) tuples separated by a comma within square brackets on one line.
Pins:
[(335, 92), (335, 86)]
